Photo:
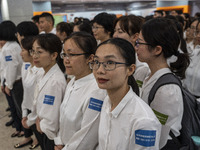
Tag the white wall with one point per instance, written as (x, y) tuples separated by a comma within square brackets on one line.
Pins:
[(90, 15)]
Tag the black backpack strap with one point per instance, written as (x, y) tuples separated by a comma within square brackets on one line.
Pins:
[(168, 78), (175, 139)]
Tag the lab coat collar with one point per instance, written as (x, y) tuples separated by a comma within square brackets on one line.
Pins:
[(34, 69), (156, 76), (46, 77), (115, 113), (7, 44), (81, 82)]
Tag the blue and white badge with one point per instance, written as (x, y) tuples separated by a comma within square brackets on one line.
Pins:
[(26, 66), (48, 99), (145, 138), (8, 58), (95, 104)]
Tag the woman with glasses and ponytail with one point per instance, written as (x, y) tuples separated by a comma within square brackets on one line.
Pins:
[(158, 41), (81, 106), (126, 121)]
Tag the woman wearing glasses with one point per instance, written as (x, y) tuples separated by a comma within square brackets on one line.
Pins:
[(81, 106), (191, 82), (102, 27), (126, 121), (49, 90), (128, 28), (158, 40)]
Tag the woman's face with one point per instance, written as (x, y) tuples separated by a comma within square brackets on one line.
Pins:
[(142, 50), (99, 32), (190, 32), (75, 65), (196, 30), (119, 33), (25, 55), (61, 35), (42, 58), (113, 79)]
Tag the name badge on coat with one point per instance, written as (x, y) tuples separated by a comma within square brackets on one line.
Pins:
[(95, 104), (48, 99)]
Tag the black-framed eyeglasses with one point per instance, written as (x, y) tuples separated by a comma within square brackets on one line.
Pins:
[(96, 27), (137, 43), (108, 66), (70, 55)]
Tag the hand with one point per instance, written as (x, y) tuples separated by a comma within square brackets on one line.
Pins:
[(58, 147), (2, 89), (7, 90), (24, 124), (38, 125)]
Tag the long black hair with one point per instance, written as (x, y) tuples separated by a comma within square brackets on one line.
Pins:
[(163, 32)]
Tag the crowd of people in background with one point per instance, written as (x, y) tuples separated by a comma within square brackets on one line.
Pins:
[(85, 85)]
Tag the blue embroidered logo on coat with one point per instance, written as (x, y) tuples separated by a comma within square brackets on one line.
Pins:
[(26, 66), (95, 104), (145, 138), (8, 58), (48, 99)]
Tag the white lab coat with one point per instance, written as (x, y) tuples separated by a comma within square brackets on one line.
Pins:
[(48, 96), (167, 105), (29, 80), (191, 82), (132, 125), (11, 63), (78, 121)]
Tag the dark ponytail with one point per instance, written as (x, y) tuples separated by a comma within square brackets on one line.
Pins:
[(133, 84), (179, 67), (163, 32)]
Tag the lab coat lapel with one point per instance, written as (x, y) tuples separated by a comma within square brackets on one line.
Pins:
[(46, 77)]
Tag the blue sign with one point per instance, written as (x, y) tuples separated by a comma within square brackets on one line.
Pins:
[(95, 104), (26, 66), (48, 99), (145, 138), (8, 58)]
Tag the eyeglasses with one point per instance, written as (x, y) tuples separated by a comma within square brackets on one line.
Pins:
[(137, 43), (33, 52), (95, 27), (70, 55), (108, 66)]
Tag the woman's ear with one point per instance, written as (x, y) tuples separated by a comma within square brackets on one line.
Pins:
[(90, 58), (158, 50), (134, 37), (131, 69), (54, 55)]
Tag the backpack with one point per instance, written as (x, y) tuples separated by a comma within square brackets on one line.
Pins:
[(191, 114)]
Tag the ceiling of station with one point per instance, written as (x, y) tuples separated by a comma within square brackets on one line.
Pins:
[(92, 1)]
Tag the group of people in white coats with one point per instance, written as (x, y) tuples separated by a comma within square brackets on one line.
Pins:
[(102, 107)]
